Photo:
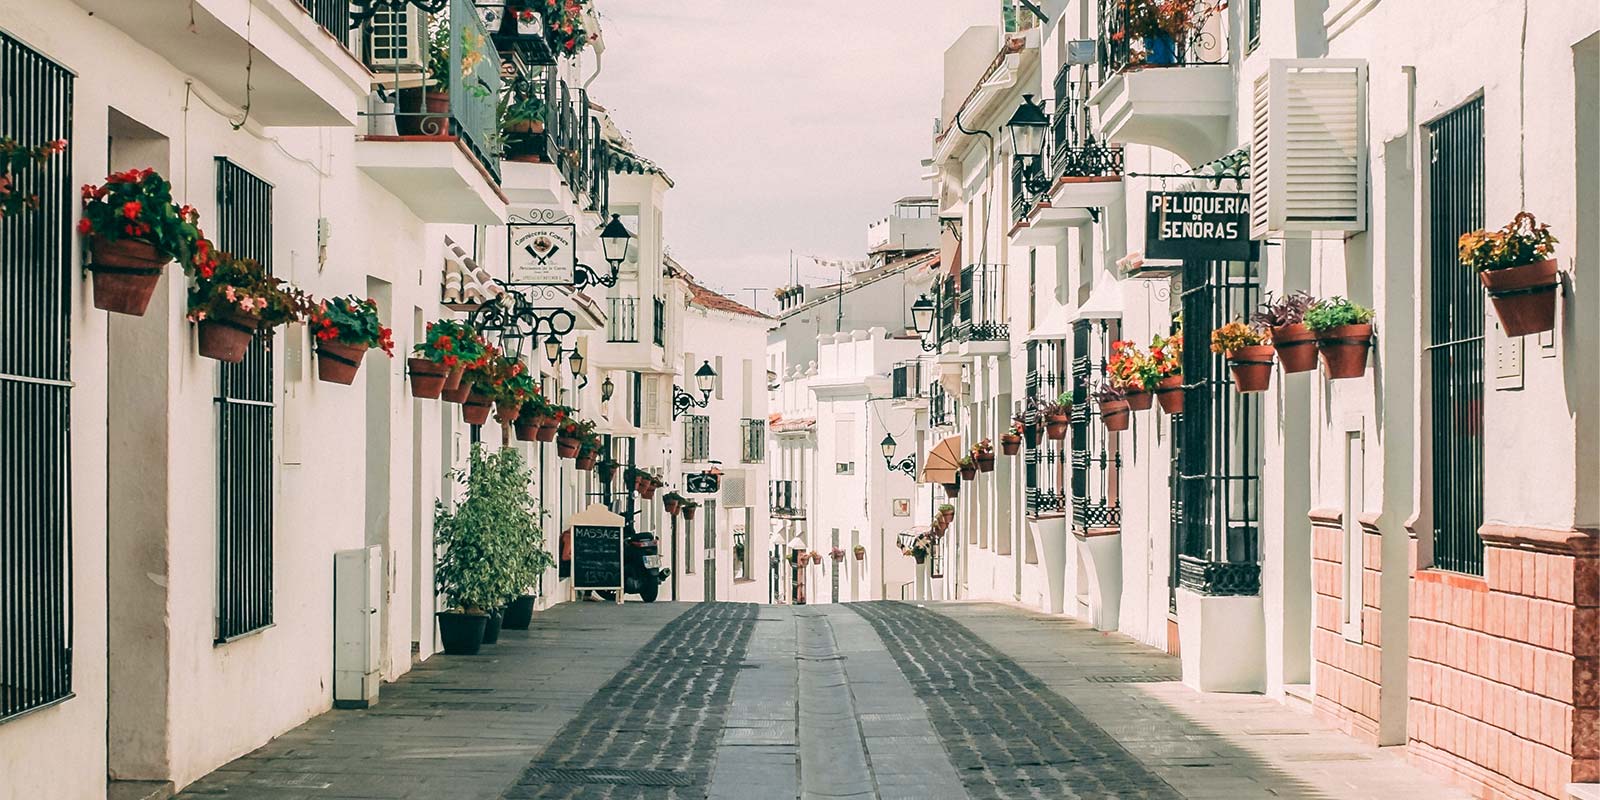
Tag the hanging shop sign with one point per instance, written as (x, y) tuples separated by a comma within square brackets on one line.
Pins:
[(1198, 226), (542, 254), (702, 483)]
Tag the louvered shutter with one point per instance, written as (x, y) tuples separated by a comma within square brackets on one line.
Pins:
[(1308, 150)]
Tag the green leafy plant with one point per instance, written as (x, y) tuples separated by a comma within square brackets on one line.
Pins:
[(15, 157), (137, 204), (1166, 352), (353, 321), (491, 546), (451, 343), (946, 508), (240, 287), (1524, 240), (1336, 311), (1235, 335)]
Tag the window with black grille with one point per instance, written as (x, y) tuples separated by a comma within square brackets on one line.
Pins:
[(753, 435), (1096, 452), (36, 285), (1254, 24), (245, 475), (1219, 466), (1455, 340), (1044, 466), (696, 437)]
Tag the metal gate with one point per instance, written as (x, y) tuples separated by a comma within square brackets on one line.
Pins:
[(244, 427), (1455, 340), (35, 385), (1096, 453)]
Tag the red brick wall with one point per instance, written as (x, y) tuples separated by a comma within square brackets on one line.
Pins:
[(1502, 669), (1347, 674)]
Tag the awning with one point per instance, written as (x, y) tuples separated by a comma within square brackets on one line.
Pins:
[(944, 461), (467, 285)]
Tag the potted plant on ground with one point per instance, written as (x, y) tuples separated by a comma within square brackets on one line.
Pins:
[(860, 552), (1135, 372), (238, 303), (1057, 417), (670, 503), (1285, 318), (1011, 440), (1114, 410), (486, 545), (1517, 268), (134, 230), (14, 158), (1344, 336), (983, 455), (947, 512), (346, 328), (1167, 354), (1249, 356), (969, 467), (689, 508)]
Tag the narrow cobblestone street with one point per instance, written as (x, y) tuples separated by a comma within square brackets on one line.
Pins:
[(871, 700)]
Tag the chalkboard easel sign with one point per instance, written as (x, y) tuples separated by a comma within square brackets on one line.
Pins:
[(597, 550)]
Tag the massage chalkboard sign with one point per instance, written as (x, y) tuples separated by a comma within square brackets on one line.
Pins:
[(596, 550)]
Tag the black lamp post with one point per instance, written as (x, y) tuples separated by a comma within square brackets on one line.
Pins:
[(705, 379), (908, 465), (922, 320)]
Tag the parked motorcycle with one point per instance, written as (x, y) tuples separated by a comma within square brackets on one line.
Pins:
[(642, 573)]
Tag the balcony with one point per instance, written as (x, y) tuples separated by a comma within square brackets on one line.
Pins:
[(753, 441), (436, 150), (970, 319), (622, 327), (1077, 176), (562, 155), (302, 72), (1175, 94), (788, 499), (905, 381)]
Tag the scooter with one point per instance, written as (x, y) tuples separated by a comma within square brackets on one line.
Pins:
[(642, 573)]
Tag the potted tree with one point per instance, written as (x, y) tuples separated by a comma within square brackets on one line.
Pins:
[(1344, 336), (1167, 353), (1517, 267), (238, 303), (983, 455), (1249, 356), (1114, 410), (969, 467), (1057, 417), (134, 230), (670, 503), (346, 328), (1011, 440), (1285, 318), (860, 552), (486, 545), (689, 509)]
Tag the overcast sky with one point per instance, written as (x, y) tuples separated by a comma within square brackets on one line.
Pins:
[(784, 123)]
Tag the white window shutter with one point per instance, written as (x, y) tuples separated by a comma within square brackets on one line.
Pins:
[(1308, 149), (652, 402)]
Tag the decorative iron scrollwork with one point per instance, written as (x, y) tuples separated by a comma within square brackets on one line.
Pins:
[(363, 10)]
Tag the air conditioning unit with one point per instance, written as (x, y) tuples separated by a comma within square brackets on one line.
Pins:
[(397, 40), (1308, 149), (737, 491)]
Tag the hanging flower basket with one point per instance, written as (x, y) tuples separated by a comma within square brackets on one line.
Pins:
[(1116, 414), (346, 328), (1296, 346), (1251, 368), (1010, 444), (427, 378), (506, 411), (983, 456), (1139, 399), (526, 431), (671, 503), (1169, 393), (1517, 268), (567, 446), (457, 393), (126, 272), (227, 337), (586, 461), (860, 552), (1344, 350), (920, 557), (1057, 417), (338, 362), (476, 410), (134, 230), (952, 490), (837, 554), (970, 472), (647, 490), (688, 509), (947, 513), (606, 470)]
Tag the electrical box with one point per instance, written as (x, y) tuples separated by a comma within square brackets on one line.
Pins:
[(357, 591)]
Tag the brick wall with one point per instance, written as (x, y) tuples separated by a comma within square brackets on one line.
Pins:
[(1502, 669), (1347, 673)]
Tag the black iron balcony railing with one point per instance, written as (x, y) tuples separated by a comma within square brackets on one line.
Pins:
[(788, 499), (623, 323), (332, 15), (1130, 38), (1073, 150), (941, 408), (980, 305), (659, 322)]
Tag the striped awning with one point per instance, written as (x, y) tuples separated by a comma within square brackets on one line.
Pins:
[(944, 461)]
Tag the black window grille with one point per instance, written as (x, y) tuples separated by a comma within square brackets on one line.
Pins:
[(906, 380), (1455, 343), (1096, 453), (36, 285), (659, 320), (696, 437), (1175, 507), (788, 500), (1044, 466), (1254, 23), (623, 323), (753, 435), (1219, 467), (941, 408), (332, 15), (245, 477)]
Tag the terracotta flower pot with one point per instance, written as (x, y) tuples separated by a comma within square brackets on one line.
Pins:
[(648, 492), (985, 462), (1140, 400), (507, 411), (547, 429), (688, 513), (1344, 350), (567, 446), (227, 338), (1116, 414), (457, 393), (1524, 297), (427, 378), (951, 490), (861, 555), (947, 516), (671, 507), (586, 461), (1010, 444), (1297, 348), (452, 380), (527, 432), (1056, 425), (475, 411), (437, 107), (969, 473), (920, 557), (1251, 368), (338, 362), (126, 272), (1169, 393)]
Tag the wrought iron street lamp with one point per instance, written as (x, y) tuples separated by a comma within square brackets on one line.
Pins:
[(908, 465), (614, 242), (922, 320), (607, 388), (705, 379), (554, 352), (1027, 127)]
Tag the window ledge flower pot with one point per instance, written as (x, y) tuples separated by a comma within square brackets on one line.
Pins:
[(567, 446), (461, 634), (969, 473), (1140, 400), (506, 411), (1169, 393), (1116, 414), (1010, 444), (126, 272), (1524, 297), (227, 338), (1344, 350), (338, 362), (1056, 425), (1251, 368), (427, 378), (1296, 346), (475, 411), (458, 393), (985, 462)]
